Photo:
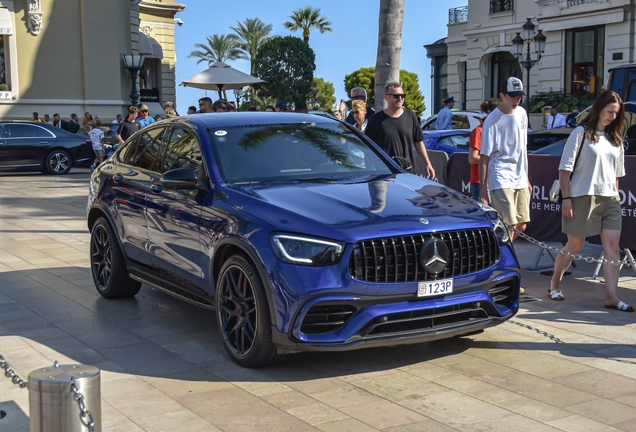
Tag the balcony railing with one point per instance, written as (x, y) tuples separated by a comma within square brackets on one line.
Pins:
[(497, 6), (574, 3), (457, 15)]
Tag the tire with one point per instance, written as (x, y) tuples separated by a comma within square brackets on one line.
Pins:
[(242, 313), (58, 162), (107, 264)]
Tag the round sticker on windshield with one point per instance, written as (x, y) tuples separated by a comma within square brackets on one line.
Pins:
[(220, 133)]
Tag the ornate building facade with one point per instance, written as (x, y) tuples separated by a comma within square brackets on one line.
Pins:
[(584, 39), (65, 55)]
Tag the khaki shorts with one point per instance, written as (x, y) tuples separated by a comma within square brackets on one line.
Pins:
[(592, 214), (513, 205)]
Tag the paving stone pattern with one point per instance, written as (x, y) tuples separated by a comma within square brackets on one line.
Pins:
[(568, 366)]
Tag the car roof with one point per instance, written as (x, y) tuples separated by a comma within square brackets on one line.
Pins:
[(246, 118)]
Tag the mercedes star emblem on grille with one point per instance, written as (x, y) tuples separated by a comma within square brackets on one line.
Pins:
[(434, 255)]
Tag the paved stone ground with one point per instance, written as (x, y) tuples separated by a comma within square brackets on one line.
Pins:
[(555, 366)]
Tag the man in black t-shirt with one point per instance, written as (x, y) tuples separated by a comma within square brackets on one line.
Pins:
[(129, 126), (396, 129)]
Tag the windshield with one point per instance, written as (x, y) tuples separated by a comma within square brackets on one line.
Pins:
[(293, 152)]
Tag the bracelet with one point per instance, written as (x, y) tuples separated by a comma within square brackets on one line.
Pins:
[(564, 198)]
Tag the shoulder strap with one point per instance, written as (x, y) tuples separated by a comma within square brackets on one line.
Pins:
[(578, 152)]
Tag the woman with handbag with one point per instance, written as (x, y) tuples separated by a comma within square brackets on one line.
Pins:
[(592, 161)]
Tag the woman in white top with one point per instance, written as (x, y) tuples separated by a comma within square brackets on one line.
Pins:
[(591, 205)]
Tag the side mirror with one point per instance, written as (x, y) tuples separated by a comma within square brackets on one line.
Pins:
[(181, 178), (404, 163)]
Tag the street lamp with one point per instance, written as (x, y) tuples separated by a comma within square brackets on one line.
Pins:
[(134, 63), (539, 46), (238, 94)]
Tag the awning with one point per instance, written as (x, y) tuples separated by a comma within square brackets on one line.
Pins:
[(157, 51), (144, 47), (588, 19), (6, 23)]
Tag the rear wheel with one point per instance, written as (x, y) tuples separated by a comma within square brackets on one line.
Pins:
[(242, 313), (107, 264), (57, 162)]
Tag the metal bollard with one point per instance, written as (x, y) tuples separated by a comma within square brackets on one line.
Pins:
[(55, 406)]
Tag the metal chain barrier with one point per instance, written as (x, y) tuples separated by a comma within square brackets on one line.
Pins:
[(565, 253), (9, 373), (84, 412)]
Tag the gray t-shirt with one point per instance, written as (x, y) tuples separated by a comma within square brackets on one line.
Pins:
[(598, 167)]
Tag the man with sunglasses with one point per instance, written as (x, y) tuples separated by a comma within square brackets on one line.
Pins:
[(219, 106), (145, 118), (205, 105), (396, 129)]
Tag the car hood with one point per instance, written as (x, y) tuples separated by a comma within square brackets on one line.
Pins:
[(358, 208)]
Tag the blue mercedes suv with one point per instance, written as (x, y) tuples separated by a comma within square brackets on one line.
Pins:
[(299, 233)]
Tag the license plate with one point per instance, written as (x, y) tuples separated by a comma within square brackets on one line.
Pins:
[(438, 287)]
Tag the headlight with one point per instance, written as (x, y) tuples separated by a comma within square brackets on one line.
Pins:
[(307, 251), (501, 232)]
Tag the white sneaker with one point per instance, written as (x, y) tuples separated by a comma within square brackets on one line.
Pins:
[(92, 167)]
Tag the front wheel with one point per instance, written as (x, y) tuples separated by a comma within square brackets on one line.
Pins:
[(242, 314), (57, 162), (107, 264)]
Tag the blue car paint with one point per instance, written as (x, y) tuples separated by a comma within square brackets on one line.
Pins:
[(247, 214)]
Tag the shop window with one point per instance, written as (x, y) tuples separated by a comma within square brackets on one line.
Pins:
[(584, 49), (503, 66)]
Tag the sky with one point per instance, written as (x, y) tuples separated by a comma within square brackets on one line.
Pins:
[(351, 45)]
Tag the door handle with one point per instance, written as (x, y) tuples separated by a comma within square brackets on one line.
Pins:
[(44, 142), (117, 178), (156, 188)]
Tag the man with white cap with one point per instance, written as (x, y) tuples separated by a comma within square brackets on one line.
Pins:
[(503, 161), (445, 116)]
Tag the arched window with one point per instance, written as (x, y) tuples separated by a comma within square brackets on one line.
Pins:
[(503, 65)]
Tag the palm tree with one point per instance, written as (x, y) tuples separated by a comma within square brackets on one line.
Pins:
[(306, 19), (387, 66), (220, 48), (251, 34)]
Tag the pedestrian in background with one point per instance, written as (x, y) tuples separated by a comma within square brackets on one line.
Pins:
[(88, 119), (129, 126), (97, 139), (59, 123), (359, 94), (205, 105), (396, 129), (269, 108), (219, 106), (474, 146), (171, 105), (555, 120), (36, 118), (589, 188), (73, 125), (445, 116), (503, 161), (145, 118), (359, 112), (170, 113), (301, 107), (115, 125), (281, 106), (231, 107), (47, 119), (570, 120), (191, 109)]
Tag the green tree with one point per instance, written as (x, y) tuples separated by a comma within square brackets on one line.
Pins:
[(322, 97), (389, 47), (219, 48), (365, 78), (252, 34), (287, 65), (305, 19)]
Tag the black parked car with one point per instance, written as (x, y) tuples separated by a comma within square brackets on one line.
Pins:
[(29, 146)]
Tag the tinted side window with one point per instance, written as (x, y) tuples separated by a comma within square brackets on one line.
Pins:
[(127, 153), (148, 151), (183, 151), (630, 94), (460, 122), (23, 131)]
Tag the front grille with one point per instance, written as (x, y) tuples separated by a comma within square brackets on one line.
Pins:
[(323, 318), (428, 319), (397, 259)]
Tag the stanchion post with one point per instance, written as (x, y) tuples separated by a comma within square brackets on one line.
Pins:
[(65, 398)]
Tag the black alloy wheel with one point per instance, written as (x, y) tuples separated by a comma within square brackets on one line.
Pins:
[(107, 264), (58, 162), (243, 315)]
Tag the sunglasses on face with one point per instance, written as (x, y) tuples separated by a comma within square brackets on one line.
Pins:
[(359, 112), (357, 97), (397, 95), (144, 111)]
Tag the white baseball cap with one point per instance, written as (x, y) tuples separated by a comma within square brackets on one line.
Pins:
[(514, 87)]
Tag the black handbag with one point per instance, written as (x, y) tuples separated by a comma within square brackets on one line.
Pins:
[(555, 190)]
